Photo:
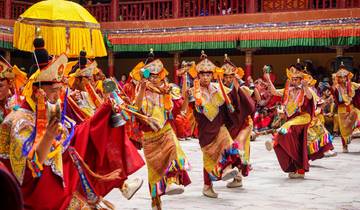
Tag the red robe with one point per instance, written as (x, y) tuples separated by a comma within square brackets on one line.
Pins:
[(102, 147), (244, 106), (291, 148)]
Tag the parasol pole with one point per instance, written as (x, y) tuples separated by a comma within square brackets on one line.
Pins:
[(5, 61)]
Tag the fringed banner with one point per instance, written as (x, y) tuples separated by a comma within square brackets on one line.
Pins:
[(344, 31), (250, 34), (6, 39)]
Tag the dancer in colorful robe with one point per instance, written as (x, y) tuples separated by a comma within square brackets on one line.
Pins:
[(44, 150), (347, 115), (290, 140), (241, 124), (212, 107), (319, 139), (11, 80), (185, 123), (328, 106), (165, 160), (266, 105), (83, 92)]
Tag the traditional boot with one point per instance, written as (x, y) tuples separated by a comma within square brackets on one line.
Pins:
[(130, 187), (174, 189), (330, 153), (229, 173), (208, 191), (237, 182), (269, 145), (298, 174)]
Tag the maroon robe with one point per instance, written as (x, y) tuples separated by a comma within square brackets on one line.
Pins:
[(244, 106), (208, 130), (291, 148)]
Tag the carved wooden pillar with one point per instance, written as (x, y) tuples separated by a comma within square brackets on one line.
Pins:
[(251, 6), (176, 8), (111, 63), (339, 51), (114, 9), (248, 62), (176, 66), (7, 11)]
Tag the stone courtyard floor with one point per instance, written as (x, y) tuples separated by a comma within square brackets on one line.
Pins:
[(332, 183)]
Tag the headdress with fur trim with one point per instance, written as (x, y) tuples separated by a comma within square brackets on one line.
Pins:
[(13, 73), (6, 71), (229, 68), (343, 72), (154, 67), (205, 65), (52, 73), (299, 71), (87, 71), (295, 71), (150, 66)]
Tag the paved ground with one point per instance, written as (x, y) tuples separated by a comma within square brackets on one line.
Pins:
[(332, 183)]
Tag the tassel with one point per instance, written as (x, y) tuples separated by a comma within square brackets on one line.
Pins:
[(230, 108), (197, 93), (107, 177), (93, 95), (71, 134), (107, 203), (28, 143), (171, 117), (226, 97)]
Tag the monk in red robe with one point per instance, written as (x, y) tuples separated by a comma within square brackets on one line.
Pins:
[(290, 140), (212, 107), (241, 124)]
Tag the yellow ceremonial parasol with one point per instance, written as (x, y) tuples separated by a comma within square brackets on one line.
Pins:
[(65, 26)]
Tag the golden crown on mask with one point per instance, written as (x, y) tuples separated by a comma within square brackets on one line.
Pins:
[(293, 72), (229, 68), (343, 72)]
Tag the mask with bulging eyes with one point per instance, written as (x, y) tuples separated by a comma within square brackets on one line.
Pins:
[(53, 110)]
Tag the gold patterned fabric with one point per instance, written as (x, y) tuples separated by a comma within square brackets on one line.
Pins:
[(53, 72), (348, 117), (154, 105), (212, 99), (229, 69), (212, 153), (155, 67), (347, 95), (160, 149), (86, 104), (78, 202), (205, 66), (15, 130)]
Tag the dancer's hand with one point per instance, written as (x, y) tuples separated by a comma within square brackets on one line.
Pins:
[(267, 77), (76, 95), (304, 83), (53, 129)]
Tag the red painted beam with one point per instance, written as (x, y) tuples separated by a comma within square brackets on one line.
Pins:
[(236, 19)]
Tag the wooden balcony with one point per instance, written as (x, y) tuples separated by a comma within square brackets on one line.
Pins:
[(19, 7), (137, 10)]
